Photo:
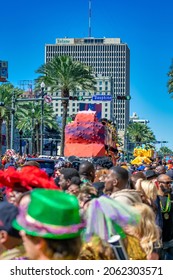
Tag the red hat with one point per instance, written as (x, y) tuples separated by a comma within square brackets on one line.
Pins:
[(27, 178)]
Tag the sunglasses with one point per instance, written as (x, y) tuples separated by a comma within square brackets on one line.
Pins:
[(167, 183)]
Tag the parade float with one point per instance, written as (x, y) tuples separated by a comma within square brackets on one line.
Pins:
[(88, 137), (142, 156)]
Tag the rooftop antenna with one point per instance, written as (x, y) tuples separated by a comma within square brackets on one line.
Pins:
[(89, 33)]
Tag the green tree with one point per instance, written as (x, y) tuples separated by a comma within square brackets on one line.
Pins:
[(139, 134), (170, 80), (29, 121), (6, 92), (64, 74), (165, 151)]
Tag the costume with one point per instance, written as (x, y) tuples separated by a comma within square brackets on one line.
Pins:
[(37, 219), (134, 250), (26, 179), (96, 249), (106, 218)]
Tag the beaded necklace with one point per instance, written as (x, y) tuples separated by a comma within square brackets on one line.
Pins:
[(167, 208)]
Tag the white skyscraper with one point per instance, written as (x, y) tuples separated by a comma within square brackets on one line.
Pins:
[(110, 61)]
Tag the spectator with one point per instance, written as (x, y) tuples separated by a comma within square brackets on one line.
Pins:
[(66, 176), (135, 176), (160, 169), (117, 179), (146, 230), (10, 241), (53, 232), (86, 171), (149, 192), (165, 201)]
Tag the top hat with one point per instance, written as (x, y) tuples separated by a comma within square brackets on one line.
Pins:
[(50, 214)]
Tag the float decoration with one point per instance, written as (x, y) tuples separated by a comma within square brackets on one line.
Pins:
[(85, 136), (88, 137), (142, 155)]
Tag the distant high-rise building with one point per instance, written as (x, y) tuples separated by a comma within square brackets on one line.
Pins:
[(110, 61)]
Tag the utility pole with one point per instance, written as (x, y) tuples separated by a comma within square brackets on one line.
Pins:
[(12, 120), (89, 31), (20, 142), (42, 112)]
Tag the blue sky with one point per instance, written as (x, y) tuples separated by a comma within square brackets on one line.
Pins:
[(146, 26)]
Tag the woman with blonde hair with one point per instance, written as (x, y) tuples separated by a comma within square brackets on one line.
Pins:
[(146, 231), (148, 190)]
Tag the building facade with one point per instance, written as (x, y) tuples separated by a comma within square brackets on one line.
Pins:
[(135, 118), (110, 62)]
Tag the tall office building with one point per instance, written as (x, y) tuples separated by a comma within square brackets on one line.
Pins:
[(110, 61)]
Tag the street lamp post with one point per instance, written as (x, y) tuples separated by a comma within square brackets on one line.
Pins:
[(12, 121), (42, 111), (20, 142), (56, 148), (51, 146), (32, 134)]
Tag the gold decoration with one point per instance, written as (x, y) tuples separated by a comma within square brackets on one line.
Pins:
[(142, 156)]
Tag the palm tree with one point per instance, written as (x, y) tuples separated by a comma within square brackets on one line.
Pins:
[(170, 81), (65, 75), (164, 151), (6, 92), (29, 121), (139, 133)]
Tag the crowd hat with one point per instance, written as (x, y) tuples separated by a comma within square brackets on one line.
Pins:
[(8, 213), (150, 174), (26, 179), (50, 214)]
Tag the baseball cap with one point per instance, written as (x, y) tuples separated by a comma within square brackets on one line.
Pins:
[(150, 174)]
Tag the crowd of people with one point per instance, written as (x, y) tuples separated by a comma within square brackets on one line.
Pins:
[(88, 210)]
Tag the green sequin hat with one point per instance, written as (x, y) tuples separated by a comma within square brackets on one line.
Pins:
[(50, 214)]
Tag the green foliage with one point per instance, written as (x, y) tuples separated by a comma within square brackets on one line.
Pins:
[(170, 80), (165, 151), (7, 90), (30, 115), (119, 141), (139, 134), (64, 74)]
